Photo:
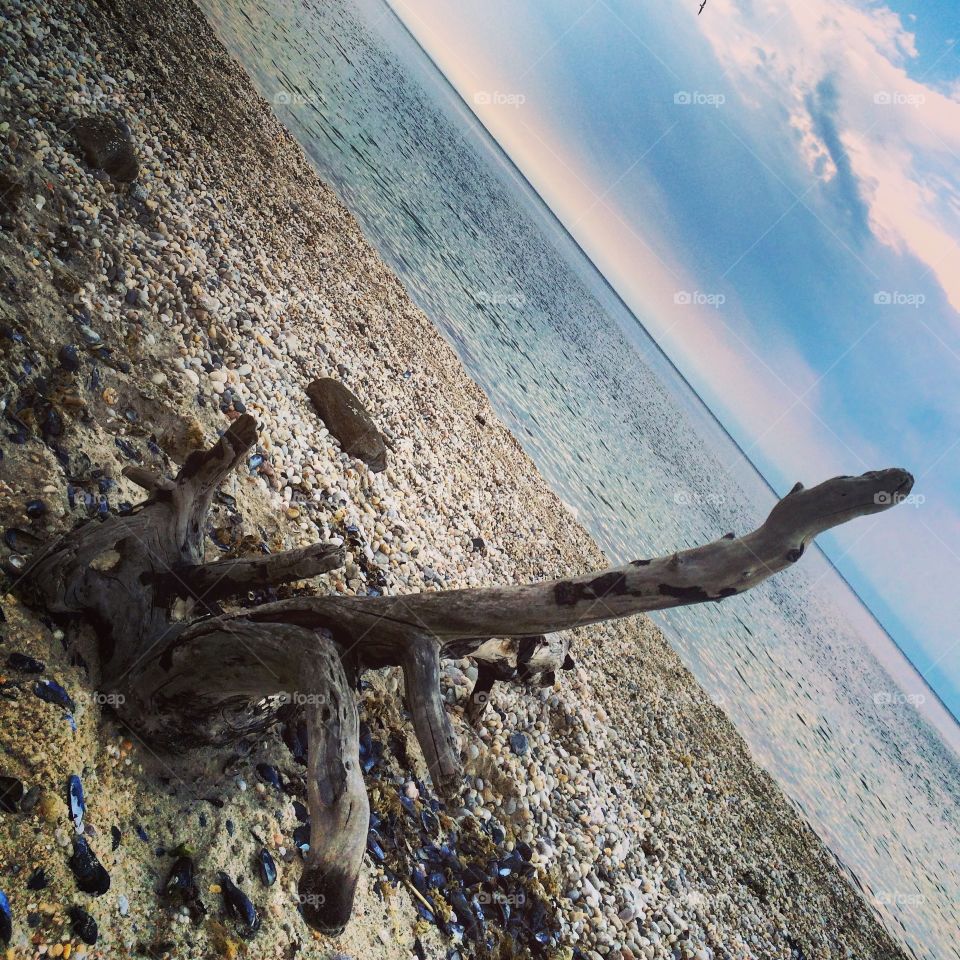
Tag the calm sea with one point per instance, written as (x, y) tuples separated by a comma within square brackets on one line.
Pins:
[(621, 438)]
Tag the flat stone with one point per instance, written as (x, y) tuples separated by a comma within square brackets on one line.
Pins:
[(347, 419), (106, 145)]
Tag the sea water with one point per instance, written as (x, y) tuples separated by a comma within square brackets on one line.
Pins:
[(820, 693)]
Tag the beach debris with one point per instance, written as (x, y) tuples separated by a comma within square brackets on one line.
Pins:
[(36, 509), (239, 907), (6, 919), (90, 874), (69, 358), (106, 144), (75, 801), (83, 925), (21, 541), (268, 774), (24, 664), (268, 869), (181, 887), (11, 794), (348, 420), (38, 880), (52, 692)]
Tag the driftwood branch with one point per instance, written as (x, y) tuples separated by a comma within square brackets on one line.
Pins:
[(213, 680), (228, 578)]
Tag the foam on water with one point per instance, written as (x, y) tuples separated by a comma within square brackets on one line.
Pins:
[(621, 438)]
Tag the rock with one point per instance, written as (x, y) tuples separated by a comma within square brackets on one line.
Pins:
[(347, 419), (518, 743), (106, 145)]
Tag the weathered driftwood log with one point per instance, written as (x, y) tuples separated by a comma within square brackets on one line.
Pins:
[(212, 680)]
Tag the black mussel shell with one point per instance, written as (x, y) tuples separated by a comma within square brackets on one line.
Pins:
[(75, 801), (181, 884), (239, 906), (301, 836), (375, 846), (52, 692), (69, 358), (429, 822), (6, 919), (294, 734), (37, 880), (268, 774), (21, 541), (268, 869), (89, 872), (83, 925), (24, 664)]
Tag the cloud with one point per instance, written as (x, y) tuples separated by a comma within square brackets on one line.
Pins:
[(882, 143), (823, 106)]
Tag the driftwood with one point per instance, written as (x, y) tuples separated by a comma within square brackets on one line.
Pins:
[(209, 679)]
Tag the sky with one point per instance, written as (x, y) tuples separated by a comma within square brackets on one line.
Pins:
[(774, 189)]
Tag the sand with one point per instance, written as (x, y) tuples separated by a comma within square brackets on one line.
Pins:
[(225, 278)]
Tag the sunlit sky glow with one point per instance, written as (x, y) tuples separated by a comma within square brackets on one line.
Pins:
[(799, 163)]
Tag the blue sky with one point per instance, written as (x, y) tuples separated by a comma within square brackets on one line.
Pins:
[(774, 191)]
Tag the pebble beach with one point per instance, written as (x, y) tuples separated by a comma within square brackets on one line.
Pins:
[(139, 316)]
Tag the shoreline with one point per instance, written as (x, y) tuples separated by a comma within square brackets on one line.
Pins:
[(635, 789)]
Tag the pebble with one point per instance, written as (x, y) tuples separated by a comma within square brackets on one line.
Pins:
[(607, 807)]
